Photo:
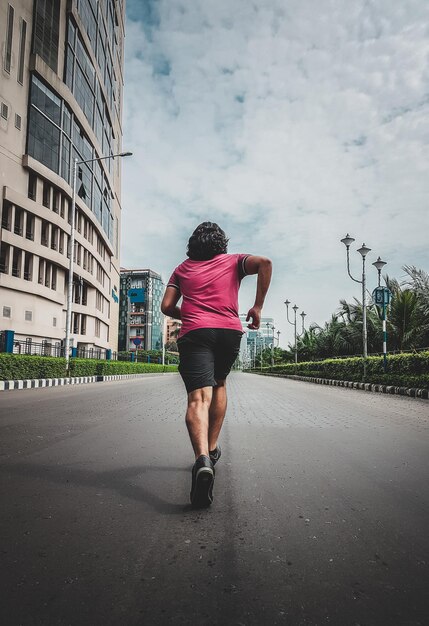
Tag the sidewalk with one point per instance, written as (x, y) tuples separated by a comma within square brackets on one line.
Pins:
[(36, 383)]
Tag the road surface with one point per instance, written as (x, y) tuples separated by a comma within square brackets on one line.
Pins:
[(321, 511)]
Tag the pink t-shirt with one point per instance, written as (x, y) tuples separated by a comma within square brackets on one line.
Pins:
[(210, 291)]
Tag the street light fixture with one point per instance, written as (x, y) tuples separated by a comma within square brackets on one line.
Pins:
[(347, 241), (76, 162), (295, 309), (379, 264)]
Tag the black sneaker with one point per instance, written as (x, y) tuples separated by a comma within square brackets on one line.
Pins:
[(202, 482), (215, 454)]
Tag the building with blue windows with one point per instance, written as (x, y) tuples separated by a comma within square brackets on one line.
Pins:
[(61, 99), (140, 317)]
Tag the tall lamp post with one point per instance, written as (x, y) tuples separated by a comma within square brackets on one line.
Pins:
[(363, 251), (272, 343), (76, 162), (295, 309)]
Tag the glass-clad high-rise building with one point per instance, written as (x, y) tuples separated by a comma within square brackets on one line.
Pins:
[(61, 99)]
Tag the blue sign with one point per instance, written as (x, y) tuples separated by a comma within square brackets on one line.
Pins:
[(136, 295), (381, 296), (114, 296), (137, 341)]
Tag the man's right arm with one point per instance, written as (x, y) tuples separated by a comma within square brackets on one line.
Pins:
[(169, 302), (263, 268)]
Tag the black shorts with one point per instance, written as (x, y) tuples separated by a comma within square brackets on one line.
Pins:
[(207, 355)]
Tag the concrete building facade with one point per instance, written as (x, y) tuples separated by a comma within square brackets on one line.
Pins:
[(140, 316), (61, 98), (171, 329)]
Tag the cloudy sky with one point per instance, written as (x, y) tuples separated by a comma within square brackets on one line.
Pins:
[(288, 122)]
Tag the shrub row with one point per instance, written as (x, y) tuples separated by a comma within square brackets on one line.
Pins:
[(403, 370), (21, 367)]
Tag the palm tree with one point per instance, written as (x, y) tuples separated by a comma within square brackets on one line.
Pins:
[(408, 325)]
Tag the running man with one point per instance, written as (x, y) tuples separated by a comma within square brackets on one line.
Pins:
[(209, 339)]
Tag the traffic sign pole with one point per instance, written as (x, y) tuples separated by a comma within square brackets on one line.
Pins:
[(382, 297), (384, 339)]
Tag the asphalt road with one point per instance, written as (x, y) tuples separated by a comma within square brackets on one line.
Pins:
[(321, 511)]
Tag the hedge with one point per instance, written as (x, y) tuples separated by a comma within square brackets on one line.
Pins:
[(403, 370), (20, 367)]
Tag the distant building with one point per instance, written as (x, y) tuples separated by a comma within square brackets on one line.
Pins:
[(140, 316), (171, 329), (254, 341), (60, 99)]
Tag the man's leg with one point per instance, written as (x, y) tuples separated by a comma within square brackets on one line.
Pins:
[(197, 419), (217, 412)]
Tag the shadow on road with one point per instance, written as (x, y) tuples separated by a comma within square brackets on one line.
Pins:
[(119, 480)]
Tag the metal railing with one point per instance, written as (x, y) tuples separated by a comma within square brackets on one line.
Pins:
[(44, 348), (51, 349)]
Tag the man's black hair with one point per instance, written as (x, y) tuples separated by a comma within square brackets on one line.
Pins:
[(207, 240)]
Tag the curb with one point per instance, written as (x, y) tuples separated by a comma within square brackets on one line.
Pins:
[(422, 394), (38, 383)]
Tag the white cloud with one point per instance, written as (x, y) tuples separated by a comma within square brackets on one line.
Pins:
[(289, 124)]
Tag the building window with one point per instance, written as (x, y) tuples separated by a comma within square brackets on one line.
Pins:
[(48, 269), (19, 219), (4, 258), (83, 325), (46, 195), (29, 230), (22, 35), (18, 121), (54, 321), (41, 271), (46, 31), (7, 311), (9, 37), (76, 323), (32, 186), (56, 201), (97, 328), (54, 278), (4, 111), (54, 237), (44, 233), (43, 140), (6, 216), (28, 316), (28, 266), (16, 262)]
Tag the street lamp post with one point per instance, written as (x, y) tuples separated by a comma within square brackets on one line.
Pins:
[(278, 338), (295, 309), (76, 162), (255, 346), (272, 347), (272, 343), (363, 251)]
